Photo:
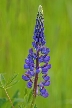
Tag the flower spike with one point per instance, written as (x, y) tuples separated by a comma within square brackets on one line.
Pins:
[(36, 57)]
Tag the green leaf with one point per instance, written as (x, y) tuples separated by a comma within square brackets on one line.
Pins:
[(16, 94), (2, 79), (8, 87), (30, 96), (17, 100), (12, 80), (13, 83), (21, 106), (25, 92), (2, 101), (35, 106)]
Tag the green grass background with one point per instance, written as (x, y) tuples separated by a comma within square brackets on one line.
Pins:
[(17, 21)]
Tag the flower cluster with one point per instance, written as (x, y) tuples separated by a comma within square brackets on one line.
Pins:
[(38, 62)]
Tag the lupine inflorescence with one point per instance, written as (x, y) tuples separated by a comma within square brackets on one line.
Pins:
[(37, 61)]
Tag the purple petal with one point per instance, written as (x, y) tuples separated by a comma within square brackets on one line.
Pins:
[(26, 78), (29, 56), (41, 85), (45, 94), (26, 66), (40, 40), (43, 42), (41, 59), (28, 73), (31, 68), (41, 35), (29, 84), (45, 77), (43, 90), (31, 51), (27, 61), (44, 69), (44, 72), (37, 70), (36, 39), (46, 59), (34, 55), (47, 83), (45, 50), (32, 73), (34, 45), (49, 66)]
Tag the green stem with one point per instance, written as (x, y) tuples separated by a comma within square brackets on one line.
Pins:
[(9, 98), (7, 95)]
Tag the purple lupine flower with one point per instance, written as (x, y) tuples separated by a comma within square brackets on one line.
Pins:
[(46, 78), (29, 84), (37, 56)]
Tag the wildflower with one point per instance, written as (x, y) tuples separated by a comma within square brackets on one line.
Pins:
[(34, 59)]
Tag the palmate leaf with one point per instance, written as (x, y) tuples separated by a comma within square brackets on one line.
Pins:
[(12, 81), (8, 84)]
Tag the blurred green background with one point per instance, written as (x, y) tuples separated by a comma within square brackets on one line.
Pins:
[(17, 21)]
